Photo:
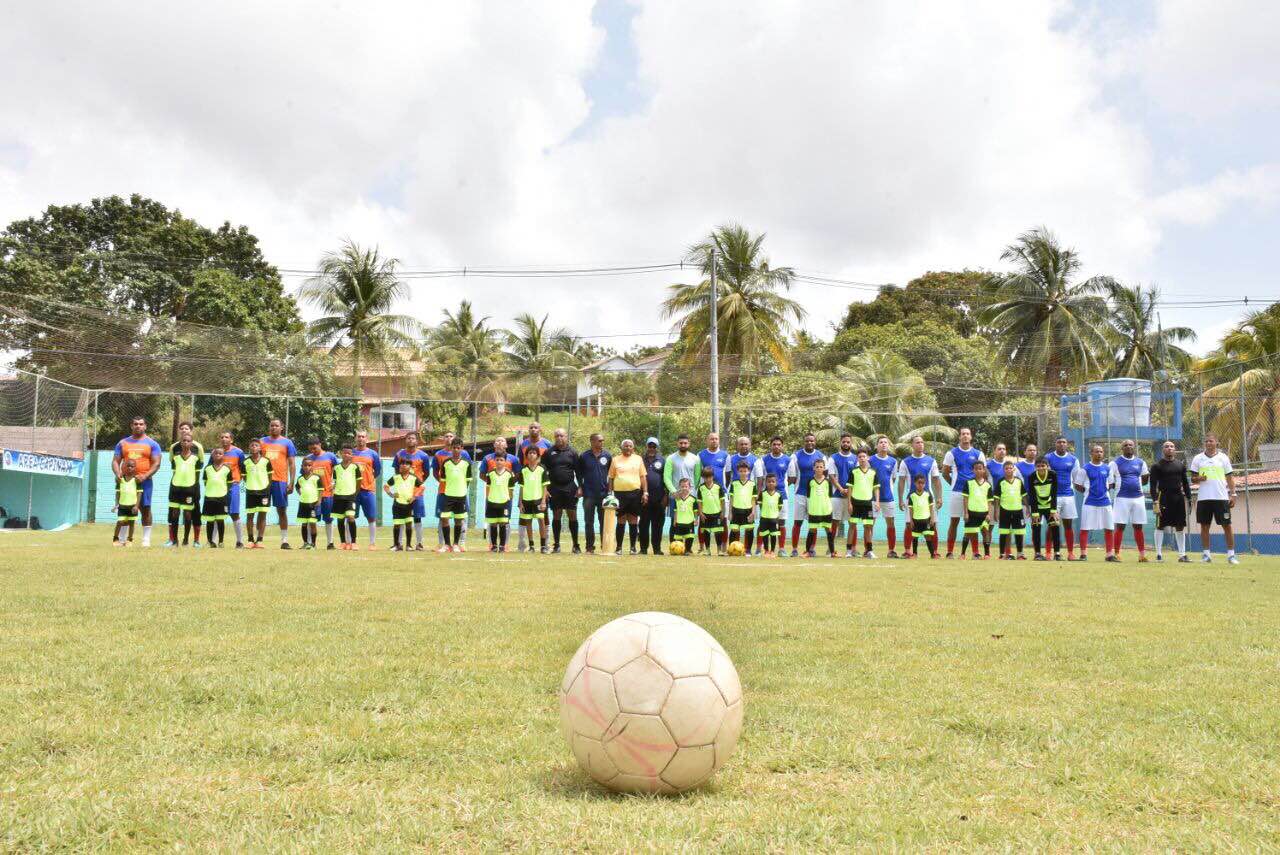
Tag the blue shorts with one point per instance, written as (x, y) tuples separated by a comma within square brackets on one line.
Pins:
[(145, 500), (367, 502), (279, 495), (419, 508), (324, 510), (233, 498)]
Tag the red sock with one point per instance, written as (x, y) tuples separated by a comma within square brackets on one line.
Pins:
[(1117, 537), (795, 536), (1140, 538), (893, 536), (1068, 536), (1084, 541), (1108, 538), (951, 542)]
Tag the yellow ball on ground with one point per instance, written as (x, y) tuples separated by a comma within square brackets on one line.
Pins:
[(677, 547), (736, 548)]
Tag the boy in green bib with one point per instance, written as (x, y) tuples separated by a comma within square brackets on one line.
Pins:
[(770, 515), (128, 494), (257, 493), (403, 488), (182, 492), (864, 504), (922, 520), (456, 472), (309, 487), (1010, 494), (684, 515), (498, 483), (742, 507), (711, 513), (979, 505), (824, 492), (533, 497), (1042, 490), (217, 487), (346, 489)]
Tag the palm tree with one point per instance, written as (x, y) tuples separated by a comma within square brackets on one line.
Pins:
[(1249, 357), (1048, 327), (894, 401), (540, 353), (356, 289), (1142, 347), (473, 349), (754, 316)]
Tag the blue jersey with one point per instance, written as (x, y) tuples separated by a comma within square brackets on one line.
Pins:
[(731, 468), (962, 462), (1062, 465), (1131, 470), (885, 467), (840, 465), (777, 467), (419, 463), (716, 460), (913, 467), (1026, 470), (1098, 478), (513, 463), (802, 468)]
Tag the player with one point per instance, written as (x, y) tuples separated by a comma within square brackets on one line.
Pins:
[(279, 450), (1130, 502), (322, 463), (257, 493), (1211, 470), (771, 515), (1027, 465), (922, 519), (456, 474), (533, 498), (404, 488), (234, 458), (744, 454), (1010, 494), (742, 506), (563, 463), (487, 465), (1096, 479), (979, 507), (1042, 494), (710, 512), (799, 474), (885, 465), (684, 516), (146, 455), (1064, 464), (420, 464), (310, 489), (182, 492), (499, 484), (128, 495), (839, 466), (216, 479), (370, 463), (995, 471), (914, 465), (958, 467), (186, 431), (823, 494), (346, 489), (535, 440), (715, 457), (1170, 498), (864, 502)]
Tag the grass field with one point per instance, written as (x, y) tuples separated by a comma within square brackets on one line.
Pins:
[(376, 701)]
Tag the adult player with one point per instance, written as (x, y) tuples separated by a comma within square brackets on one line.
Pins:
[(683, 465), (370, 463), (146, 455), (233, 457), (322, 463), (1170, 498), (742, 454), (799, 474), (1095, 479), (282, 458), (561, 463), (1064, 464), (420, 465), (957, 468), (593, 486), (914, 465), (1027, 465), (886, 465), (839, 465), (186, 432), (1211, 470), (715, 457), (1131, 501)]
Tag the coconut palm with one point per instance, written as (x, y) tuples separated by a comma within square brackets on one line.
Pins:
[(540, 353), (893, 400), (1248, 360), (755, 317), (356, 289), (1142, 347), (473, 349), (1048, 327)]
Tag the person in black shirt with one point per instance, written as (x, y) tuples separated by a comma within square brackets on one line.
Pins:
[(1170, 495), (561, 463), (653, 516)]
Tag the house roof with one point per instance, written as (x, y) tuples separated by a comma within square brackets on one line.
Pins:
[(1260, 479), (600, 363), (655, 360)]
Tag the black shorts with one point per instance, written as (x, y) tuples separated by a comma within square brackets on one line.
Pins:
[(1173, 513), (861, 511), (629, 503), (740, 517), (215, 509), (307, 512), (974, 521), (1213, 510), (126, 514), (822, 520), (1043, 514), (182, 498), (344, 506), (1011, 521), (713, 522), (497, 512), (562, 500), (257, 501), (401, 512), (453, 507), (771, 524), (921, 527), (529, 510), (681, 531)]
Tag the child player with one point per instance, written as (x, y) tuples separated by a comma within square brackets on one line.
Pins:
[(310, 489), (1042, 494), (128, 494), (217, 491), (182, 491), (864, 504), (1010, 493), (404, 488), (823, 493), (257, 493), (742, 507), (456, 473), (322, 463), (498, 484), (979, 508), (1095, 479), (685, 514), (234, 458), (922, 520), (346, 488), (770, 515), (533, 497), (710, 512)]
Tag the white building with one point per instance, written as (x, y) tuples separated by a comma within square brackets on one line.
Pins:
[(591, 398)]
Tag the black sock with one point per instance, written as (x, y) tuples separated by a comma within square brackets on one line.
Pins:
[(618, 531), (633, 532), (555, 530), (573, 530), (1020, 542), (457, 531), (502, 535), (208, 532), (831, 540), (810, 539), (447, 531)]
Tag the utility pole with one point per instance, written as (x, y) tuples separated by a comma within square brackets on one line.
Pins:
[(715, 346)]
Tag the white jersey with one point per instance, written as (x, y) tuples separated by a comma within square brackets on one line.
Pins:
[(1215, 469)]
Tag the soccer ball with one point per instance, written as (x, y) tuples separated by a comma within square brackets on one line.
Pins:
[(677, 547), (736, 548), (610, 501), (651, 703)]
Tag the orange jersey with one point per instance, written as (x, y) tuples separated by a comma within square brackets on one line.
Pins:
[(145, 453), (370, 467), (232, 457), (278, 451), (322, 464)]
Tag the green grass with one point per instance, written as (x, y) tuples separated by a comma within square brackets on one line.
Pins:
[(375, 701)]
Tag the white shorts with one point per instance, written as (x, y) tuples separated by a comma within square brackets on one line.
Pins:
[(800, 508), (839, 508), (1093, 518), (888, 510), (956, 505), (1067, 509), (1130, 511)]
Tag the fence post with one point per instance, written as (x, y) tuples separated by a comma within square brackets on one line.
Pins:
[(1244, 458), (1200, 399), (31, 479), (91, 506), (475, 461), (568, 426), (286, 420)]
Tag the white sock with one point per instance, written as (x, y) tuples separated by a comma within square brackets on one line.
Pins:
[(328, 531), (440, 534), (146, 535), (238, 525), (1206, 552), (1159, 533), (1181, 537), (417, 532), (524, 541), (284, 535), (373, 532), (1231, 553)]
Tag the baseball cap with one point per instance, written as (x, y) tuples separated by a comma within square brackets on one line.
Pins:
[(653, 440)]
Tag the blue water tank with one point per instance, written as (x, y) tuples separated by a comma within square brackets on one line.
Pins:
[(1124, 402)]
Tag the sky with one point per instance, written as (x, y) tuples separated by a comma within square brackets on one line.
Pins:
[(869, 141)]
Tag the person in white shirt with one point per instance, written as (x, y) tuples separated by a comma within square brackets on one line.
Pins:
[(1211, 470)]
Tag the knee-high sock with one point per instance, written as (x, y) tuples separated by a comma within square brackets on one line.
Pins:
[(573, 529), (1056, 537), (328, 531), (1035, 537), (1181, 538), (395, 534), (751, 536), (457, 531), (1159, 533), (1004, 543), (239, 527), (972, 540), (633, 533), (1084, 540), (831, 541), (555, 530), (1019, 540), (1140, 539), (618, 531), (866, 537), (448, 533), (795, 535), (951, 538), (373, 532), (811, 540), (1067, 534), (891, 532), (208, 532), (1117, 537), (417, 531)]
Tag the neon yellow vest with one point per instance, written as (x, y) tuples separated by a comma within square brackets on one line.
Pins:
[(685, 510), (862, 485), (402, 488), (128, 492), (257, 474), (820, 498), (709, 498), (742, 494), (346, 480), (455, 477), (308, 487), (499, 492), (979, 497), (217, 482), (531, 484), (1043, 490), (184, 471), (1011, 495), (921, 505), (770, 505)]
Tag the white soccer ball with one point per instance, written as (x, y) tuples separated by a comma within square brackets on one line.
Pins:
[(651, 703)]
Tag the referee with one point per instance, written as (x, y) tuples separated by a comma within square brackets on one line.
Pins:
[(1170, 495), (561, 463)]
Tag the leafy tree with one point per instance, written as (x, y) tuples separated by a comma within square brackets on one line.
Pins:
[(542, 354), (1142, 348), (473, 349), (1047, 326), (948, 297), (357, 289), (626, 387), (894, 401), (1247, 362)]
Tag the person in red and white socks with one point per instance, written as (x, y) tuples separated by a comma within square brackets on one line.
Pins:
[(1130, 502), (1095, 479)]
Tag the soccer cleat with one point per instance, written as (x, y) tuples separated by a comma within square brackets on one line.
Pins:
[(1206, 559), (1159, 557), (117, 543), (396, 548), (1114, 559), (849, 553), (953, 555), (891, 554), (1142, 559), (240, 544), (795, 553), (373, 547), (418, 548), (1022, 557), (285, 546), (1057, 556), (555, 550), (331, 546), (829, 555), (869, 555), (543, 550), (618, 551), (442, 548), (197, 545), (1082, 557), (577, 550), (1184, 559), (660, 552), (168, 544), (1231, 559), (457, 547), (1040, 557)]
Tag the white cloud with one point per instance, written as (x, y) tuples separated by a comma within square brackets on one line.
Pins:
[(1202, 203)]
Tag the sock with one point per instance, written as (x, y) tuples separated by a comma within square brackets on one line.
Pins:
[(447, 534), (238, 524), (810, 540), (795, 536), (973, 544), (208, 532), (440, 533), (573, 531), (555, 531), (146, 535), (1068, 533), (373, 532), (831, 541), (1140, 538), (750, 538), (284, 535), (866, 542), (1159, 533), (892, 534), (491, 534), (186, 529), (633, 532), (1230, 553), (328, 531), (1181, 537), (1108, 540), (933, 544), (1084, 541), (395, 535), (951, 542), (1004, 544), (502, 536), (457, 531), (986, 542), (1117, 537), (964, 546), (618, 531), (417, 531), (1020, 541), (351, 530), (222, 532)]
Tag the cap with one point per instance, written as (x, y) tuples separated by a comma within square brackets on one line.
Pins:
[(653, 440)]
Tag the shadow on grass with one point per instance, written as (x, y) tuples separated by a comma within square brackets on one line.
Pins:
[(570, 782)]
